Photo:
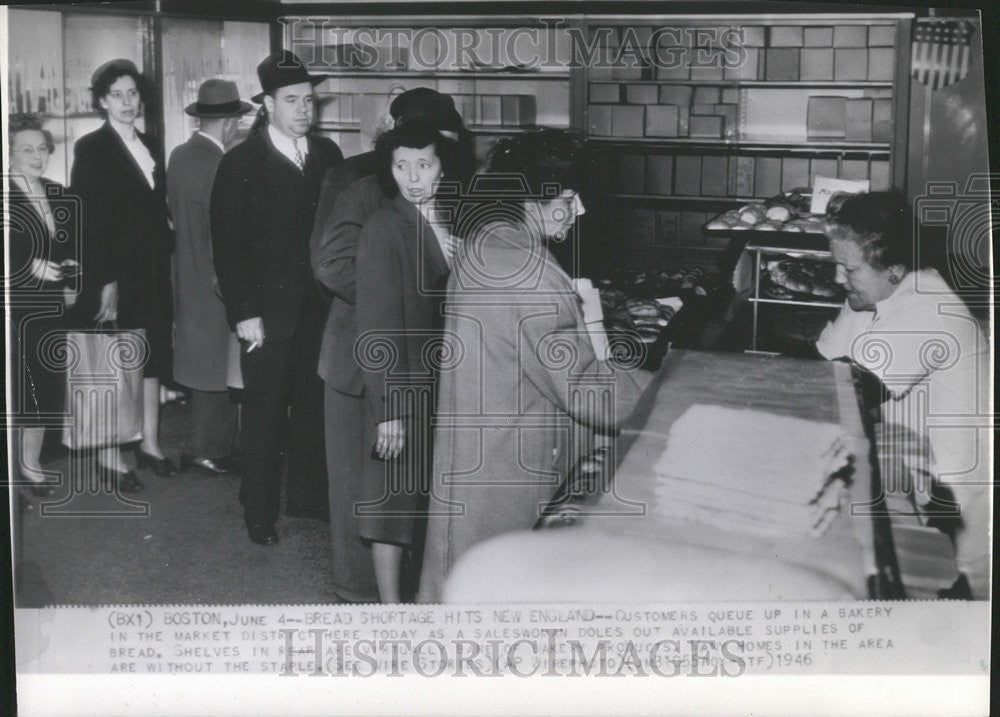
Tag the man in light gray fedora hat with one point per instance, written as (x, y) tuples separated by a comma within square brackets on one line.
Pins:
[(201, 333)]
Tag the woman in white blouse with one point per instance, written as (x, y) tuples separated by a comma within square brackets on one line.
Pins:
[(118, 174)]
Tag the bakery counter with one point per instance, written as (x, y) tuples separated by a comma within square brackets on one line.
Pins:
[(738, 477)]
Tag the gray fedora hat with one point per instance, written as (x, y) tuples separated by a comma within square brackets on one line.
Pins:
[(218, 98)]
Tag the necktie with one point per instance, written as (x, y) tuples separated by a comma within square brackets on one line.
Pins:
[(299, 161)]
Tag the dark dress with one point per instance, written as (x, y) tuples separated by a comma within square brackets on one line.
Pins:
[(37, 308), (126, 239)]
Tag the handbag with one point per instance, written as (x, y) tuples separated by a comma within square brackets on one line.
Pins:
[(104, 387)]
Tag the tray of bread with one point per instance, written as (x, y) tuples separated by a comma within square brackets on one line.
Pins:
[(783, 213), (783, 277)]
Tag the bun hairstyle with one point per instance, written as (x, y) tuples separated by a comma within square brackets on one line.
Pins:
[(878, 222), (24, 123)]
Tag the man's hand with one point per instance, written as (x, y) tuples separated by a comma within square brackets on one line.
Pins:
[(109, 303), (391, 439), (251, 330)]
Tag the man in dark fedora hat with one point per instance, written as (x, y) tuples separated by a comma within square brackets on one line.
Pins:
[(201, 334), (262, 210)]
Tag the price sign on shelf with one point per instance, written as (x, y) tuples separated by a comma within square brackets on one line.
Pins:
[(826, 187)]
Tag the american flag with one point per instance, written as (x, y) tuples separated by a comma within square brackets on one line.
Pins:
[(940, 52)]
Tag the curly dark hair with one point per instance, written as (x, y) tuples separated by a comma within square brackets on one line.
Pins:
[(456, 158), (102, 85), (26, 122), (542, 157), (878, 222)]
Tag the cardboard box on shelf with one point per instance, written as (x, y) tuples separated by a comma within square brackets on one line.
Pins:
[(850, 64), (691, 233), (710, 73), (882, 128), (850, 36), (880, 179), (674, 71), (625, 71), (659, 174), (817, 37), (698, 109), (747, 67), (786, 36), (816, 64), (781, 64), (854, 169), (881, 64), (730, 96), (794, 173), (714, 171), (641, 226), (767, 177), (667, 227), (662, 120), (730, 112), (824, 167), (825, 117), (706, 126), (632, 173), (707, 95), (467, 106), (683, 121), (744, 171), (687, 175), (517, 110), (641, 94), (627, 120), (881, 35), (676, 94), (599, 120), (858, 119), (605, 92), (753, 35), (489, 110)]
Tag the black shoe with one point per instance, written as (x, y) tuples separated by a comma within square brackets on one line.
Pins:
[(300, 509), (205, 466), (959, 590), (161, 466), (263, 534), (127, 482), (230, 464)]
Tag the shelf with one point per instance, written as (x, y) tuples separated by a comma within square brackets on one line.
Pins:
[(793, 302), (338, 126), (447, 75), (769, 84), (750, 145), (479, 129), (682, 199)]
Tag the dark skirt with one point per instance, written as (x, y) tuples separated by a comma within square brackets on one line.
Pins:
[(38, 379)]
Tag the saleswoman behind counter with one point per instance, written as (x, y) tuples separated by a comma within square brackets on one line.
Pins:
[(909, 329)]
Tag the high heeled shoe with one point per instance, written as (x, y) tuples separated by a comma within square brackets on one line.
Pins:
[(162, 467), (127, 482)]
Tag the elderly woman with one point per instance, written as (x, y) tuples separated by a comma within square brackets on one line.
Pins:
[(119, 176), (526, 386), (404, 253), (909, 329), (41, 281)]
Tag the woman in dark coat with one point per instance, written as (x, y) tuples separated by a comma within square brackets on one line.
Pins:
[(403, 258), (118, 174), (41, 279)]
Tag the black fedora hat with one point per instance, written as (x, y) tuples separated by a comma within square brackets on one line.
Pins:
[(218, 99), (282, 69)]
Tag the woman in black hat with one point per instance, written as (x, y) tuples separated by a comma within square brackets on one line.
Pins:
[(118, 174)]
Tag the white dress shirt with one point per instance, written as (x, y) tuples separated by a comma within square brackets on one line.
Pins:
[(286, 146)]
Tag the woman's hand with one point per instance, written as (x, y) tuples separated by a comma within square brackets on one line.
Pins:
[(46, 270), (109, 303), (391, 439)]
